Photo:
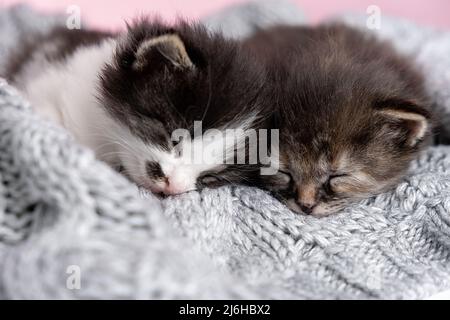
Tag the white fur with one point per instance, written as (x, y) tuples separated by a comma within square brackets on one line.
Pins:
[(198, 154), (66, 93)]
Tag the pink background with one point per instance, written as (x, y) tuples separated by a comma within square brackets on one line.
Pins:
[(111, 13)]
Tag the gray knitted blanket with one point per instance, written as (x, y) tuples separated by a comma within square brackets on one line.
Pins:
[(71, 227)]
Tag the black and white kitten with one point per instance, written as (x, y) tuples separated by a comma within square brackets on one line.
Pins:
[(123, 95), (352, 114)]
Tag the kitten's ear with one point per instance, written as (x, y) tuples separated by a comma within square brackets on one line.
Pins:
[(411, 121), (169, 47)]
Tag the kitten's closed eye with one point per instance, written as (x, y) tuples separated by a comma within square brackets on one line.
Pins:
[(284, 178), (154, 170), (333, 181), (232, 175), (281, 181), (209, 181)]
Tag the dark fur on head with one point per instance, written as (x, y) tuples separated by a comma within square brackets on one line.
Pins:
[(352, 114), (165, 77)]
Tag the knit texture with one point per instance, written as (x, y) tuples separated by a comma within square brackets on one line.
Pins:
[(63, 213)]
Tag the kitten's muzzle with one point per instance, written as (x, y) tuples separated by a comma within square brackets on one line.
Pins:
[(306, 208), (307, 198)]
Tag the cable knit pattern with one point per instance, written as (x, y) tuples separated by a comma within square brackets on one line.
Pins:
[(61, 208)]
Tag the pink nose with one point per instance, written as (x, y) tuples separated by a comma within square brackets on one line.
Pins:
[(172, 191), (172, 188)]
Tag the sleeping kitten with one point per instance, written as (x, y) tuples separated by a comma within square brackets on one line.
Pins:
[(124, 95), (352, 114)]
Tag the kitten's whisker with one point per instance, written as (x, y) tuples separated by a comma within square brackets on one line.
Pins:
[(209, 94)]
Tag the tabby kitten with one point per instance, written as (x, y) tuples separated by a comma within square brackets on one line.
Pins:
[(352, 114)]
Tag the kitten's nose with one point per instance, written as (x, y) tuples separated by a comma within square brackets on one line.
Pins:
[(306, 208), (173, 189), (307, 198), (176, 185)]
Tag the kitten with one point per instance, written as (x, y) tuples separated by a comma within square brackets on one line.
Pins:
[(352, 114), (123, 95)]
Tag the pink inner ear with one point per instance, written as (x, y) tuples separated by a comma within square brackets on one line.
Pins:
[(417, 124), (417, 130), (170, 46)]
